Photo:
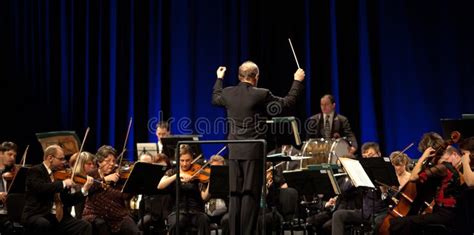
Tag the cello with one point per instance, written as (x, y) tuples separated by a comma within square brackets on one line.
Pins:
[(408, 195)]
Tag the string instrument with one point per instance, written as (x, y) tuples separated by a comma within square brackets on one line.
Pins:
[(407, 195), (123, 171), (77, 178), (10, 175), (202, 173), (269, 173)]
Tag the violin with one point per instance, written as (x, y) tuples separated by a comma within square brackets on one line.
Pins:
[(78, 178), (201, 173)]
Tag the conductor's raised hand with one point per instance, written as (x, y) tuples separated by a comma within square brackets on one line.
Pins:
[(299, 75), (221, 72)]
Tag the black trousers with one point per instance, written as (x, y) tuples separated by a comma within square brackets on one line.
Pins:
[(49, 225), (245, 184), (128, 227), (413, 224), (198, 220)]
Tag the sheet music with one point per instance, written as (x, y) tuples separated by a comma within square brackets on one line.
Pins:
[(357, 174)]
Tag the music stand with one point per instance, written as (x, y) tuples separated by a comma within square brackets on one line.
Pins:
[(310, 183), (170, 142), (150, 148), (18, 184), (380, 170), (219, 182), (144, 179)]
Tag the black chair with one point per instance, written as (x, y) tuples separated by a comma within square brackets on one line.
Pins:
[(435, 229), (289, 210), (15, 203)]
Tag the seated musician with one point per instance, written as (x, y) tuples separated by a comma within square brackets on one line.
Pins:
[(192, 195), (216, 208), (162, 160), (8, 151), (86, 166), (42, 191), (373, 205), (400, 163), (154, 209), (105, 207), (349, 199), (448, 189), (467, 148), (276, 183)]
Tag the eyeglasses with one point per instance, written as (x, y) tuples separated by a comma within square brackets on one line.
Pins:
[(60, 158)]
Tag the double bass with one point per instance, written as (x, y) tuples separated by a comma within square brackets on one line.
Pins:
[(408, 196)]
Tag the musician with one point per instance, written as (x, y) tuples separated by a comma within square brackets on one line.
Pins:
[(400, 163), (154, 209), (42, 191), (329, 124), (216, 207), (275, 184), (8, 151), (288, 150), (370, 149), (162, 130), (467, 148), (86, 166), (192, 195), (244, 104), (447, 192), (373, 204), (349, 199), (162, 160), (105, 207)]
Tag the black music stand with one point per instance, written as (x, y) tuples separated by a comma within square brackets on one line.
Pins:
[(310, 183), (144, 179), (18, 184), (170, 142), (219, 182), (380, 169)]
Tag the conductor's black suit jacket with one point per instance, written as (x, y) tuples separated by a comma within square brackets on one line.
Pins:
[(246, 106)]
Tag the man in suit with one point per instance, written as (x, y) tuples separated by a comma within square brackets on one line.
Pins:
[(42, 191), (245, 104), (329, 124)]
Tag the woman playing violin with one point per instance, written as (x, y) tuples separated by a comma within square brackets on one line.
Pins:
[(85, 166), (105, 207), (448, 190), (192, 194)]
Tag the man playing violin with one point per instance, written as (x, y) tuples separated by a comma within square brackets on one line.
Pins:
[(8, 151), (42, 191), (192, 195), (448, 190), (105, 207)]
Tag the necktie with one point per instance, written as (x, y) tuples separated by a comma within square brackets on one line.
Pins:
[(327, 128)]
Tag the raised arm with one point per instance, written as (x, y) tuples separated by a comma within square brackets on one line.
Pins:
[(217, 98), (290, 99)]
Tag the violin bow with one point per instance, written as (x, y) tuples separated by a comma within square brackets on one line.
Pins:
[(23, 158), (79, 153), (209, 162), (294, 54), (125, 143)]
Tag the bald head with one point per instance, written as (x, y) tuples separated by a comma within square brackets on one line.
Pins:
[(248, 71), (52, 150)]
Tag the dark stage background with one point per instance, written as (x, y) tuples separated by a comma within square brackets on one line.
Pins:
[(395, 67)]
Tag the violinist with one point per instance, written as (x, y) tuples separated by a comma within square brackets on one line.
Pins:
[(448, 189), (192, 195), (43, 191), (216, 208), (105, 207), (86, 165), (8, 151)]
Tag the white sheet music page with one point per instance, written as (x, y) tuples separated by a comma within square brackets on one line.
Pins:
[(356, 172)]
